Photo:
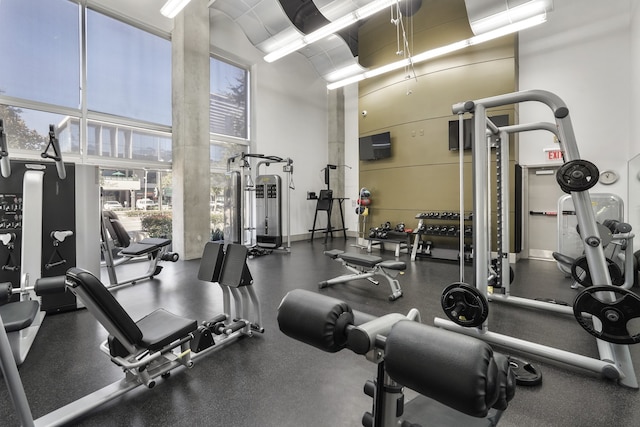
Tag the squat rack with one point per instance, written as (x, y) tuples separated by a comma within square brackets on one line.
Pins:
[(615, 359)]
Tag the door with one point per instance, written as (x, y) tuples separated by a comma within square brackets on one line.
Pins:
[(541, 197)]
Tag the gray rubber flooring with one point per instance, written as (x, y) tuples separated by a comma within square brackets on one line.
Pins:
[(272, 380)]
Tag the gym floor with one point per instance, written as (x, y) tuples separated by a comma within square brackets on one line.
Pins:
[(272, 380)]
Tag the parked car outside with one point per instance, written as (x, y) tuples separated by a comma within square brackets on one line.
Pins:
[(146, 204), (112, 205)]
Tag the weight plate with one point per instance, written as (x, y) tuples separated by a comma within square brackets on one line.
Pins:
[(581, 274), (577, 175), (525, 373), (614, 316), (464, 305), (494, 266)]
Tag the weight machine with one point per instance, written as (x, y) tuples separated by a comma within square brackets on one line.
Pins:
[(603, 310), (29, 228), (472, 384), (253, 205), (155, 345)]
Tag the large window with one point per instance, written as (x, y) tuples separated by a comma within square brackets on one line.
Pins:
[(128, 71), (28, 129), (40, 51), (228, 100)]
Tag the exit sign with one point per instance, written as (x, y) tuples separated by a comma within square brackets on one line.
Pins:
[(554, 155)]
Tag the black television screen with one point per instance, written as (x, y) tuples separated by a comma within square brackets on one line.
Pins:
[(454, 133), (375, 147)]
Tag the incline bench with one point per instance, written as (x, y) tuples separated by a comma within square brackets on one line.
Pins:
[(365, 267)]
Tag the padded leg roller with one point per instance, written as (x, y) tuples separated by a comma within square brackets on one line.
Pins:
[(314, 319), (456, 370)]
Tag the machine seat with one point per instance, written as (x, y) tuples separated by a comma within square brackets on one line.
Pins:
[(152, 332), (19, 315), (161, 328)]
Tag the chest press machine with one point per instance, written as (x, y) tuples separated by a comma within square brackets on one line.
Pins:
[(155, 345), (365, 267), (470, 382)]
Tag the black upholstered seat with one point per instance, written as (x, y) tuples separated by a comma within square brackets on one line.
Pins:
[(18, 315), (152, 332)]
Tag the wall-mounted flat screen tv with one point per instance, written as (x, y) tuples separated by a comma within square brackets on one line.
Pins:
[(454, 144), (375, 147)]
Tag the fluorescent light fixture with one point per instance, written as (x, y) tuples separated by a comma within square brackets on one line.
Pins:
[(440, 51), (331, 28), (509, 16), (173, 7)]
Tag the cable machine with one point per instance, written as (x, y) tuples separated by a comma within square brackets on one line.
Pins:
[(602, 310), (253, 205)]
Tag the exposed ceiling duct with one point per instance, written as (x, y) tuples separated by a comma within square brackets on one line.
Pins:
[(270, 24)]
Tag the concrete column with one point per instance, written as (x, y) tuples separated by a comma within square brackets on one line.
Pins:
[(190, 104), (336, 135)]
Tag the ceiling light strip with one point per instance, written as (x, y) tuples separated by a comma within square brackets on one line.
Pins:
[(173, 7), (440, 51), (331, 28)]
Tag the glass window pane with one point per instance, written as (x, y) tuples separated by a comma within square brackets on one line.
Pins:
[(219, 152), (40, 51), (228, 99), (126, 142), (128, 71), (29, 129)]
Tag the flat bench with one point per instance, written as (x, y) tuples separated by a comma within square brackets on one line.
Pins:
[(365, 267)]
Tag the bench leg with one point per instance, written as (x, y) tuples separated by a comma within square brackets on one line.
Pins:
[(396, 290), (347, 278)]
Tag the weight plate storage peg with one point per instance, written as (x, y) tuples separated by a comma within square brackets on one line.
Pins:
[(613, 315), (464, 305), (577, 175)]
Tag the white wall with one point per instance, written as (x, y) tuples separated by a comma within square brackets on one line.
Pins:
[(289, 116), (582, 54)]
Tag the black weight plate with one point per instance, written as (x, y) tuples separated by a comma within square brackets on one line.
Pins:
[(581, 274), (526, 374), (464, 305), (577, 175), (614, 315), (494, 265)]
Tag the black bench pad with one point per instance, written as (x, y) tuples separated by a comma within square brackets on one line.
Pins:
[(145, 246), (393, 265), (18, 315), (161, 327)]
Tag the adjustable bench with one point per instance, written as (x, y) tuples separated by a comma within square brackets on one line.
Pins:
[(114, 237), (365, 267), (461, 381)]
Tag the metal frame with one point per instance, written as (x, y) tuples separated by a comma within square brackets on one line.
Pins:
[(141, 367), (615, 359)]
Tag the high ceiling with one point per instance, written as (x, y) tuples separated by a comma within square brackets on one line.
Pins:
[(268, 23)]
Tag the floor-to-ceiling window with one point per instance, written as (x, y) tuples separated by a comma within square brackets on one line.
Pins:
[(229, 129)]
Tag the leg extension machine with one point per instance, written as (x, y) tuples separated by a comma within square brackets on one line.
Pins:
[(472, 388)]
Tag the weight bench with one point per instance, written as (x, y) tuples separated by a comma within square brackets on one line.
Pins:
[(115, 238), (470, 384), (365, 267)]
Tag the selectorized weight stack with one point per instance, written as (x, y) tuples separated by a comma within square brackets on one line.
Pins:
[(268, 211), (239, 224)]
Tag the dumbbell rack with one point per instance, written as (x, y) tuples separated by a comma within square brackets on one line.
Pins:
[(441, 229)]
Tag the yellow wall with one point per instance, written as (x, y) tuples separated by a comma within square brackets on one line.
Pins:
[(422, 175)]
